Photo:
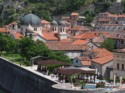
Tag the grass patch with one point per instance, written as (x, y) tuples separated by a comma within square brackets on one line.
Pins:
[(16, 58)]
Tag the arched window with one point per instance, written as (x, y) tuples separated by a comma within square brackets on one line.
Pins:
[(62, 29), (55, 28)]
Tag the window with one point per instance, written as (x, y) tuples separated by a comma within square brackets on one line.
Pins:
[(117, 35), (13, 26), (122, 66), (122, 42), (55, 28), (76, 60), (35, 29), (117, 65)]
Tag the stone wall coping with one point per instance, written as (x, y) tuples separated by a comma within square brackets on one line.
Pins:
[(31, 71), (69, 86)]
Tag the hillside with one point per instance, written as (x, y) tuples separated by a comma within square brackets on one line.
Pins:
[(12, 10)]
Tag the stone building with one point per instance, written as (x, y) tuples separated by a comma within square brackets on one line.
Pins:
[(30, 24), (119, 39), (119, 63)]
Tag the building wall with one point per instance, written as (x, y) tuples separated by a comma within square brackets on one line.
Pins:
[(74, 54), (98, 66), (105, 71), (76, 62), (102, 69), (91, 46), (119, 58), (39, 30)]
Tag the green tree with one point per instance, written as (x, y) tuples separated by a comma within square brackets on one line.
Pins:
[(24, 45), (109, 44)]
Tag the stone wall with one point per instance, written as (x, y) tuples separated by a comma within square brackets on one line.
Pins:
[(18, 80)]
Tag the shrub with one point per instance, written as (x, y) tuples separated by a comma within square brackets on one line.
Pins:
[(100, 85)]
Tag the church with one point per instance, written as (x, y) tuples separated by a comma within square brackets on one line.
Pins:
[(32, 26)]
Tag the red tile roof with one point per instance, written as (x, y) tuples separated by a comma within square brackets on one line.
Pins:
[(45, 22), (50, 36), (98, 39), (13, 23), (17, 35), (80, 42), (122, 15), (90, 35), (3, 30), (80, 28), (86, 63), (101, 52), (74, 13), (64, 46), (103, 60), (113, 15)]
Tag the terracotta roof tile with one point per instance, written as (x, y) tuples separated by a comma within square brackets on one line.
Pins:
[(45, 22), (74, 13), (80, 28), (98, 39), (101, 52), (80, 42), (113, 15), (90, 35), (17, 35), (13, 23), (103, 60), (122, 15), (86, 63), (50, 36), (3, 30), (64, 46)]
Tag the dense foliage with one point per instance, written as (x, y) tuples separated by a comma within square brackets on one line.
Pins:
[(27, 48), (109, 44), (12, 11)]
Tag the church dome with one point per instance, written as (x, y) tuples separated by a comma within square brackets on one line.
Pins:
[(54, 23), (62, 23), (31, 19)]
